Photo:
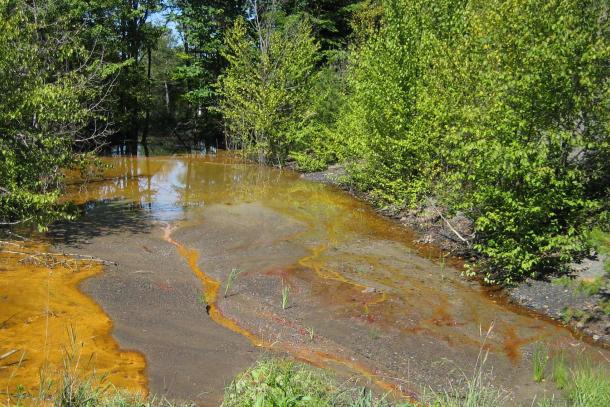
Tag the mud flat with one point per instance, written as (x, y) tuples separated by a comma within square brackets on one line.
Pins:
[(321, 277)]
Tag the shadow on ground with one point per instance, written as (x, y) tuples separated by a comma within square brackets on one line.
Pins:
[(101, 219)]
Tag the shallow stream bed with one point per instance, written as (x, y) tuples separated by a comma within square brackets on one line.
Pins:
[(319, 277)]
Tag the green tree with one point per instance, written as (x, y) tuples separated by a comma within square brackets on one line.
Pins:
[(202, 26), (498, 109), (264, 91), (52, 104)]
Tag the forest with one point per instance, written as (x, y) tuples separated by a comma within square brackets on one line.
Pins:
[(495, 109)]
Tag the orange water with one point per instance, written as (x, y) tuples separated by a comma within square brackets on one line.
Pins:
[(45, 321), (361, 266)]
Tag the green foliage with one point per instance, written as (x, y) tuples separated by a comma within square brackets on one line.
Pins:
[(285, 296), (589, 387), (235, 272), (282, 383), (264, 91), (561, 373), (499, 108), (540, 359), (52, 88), (279, 383)]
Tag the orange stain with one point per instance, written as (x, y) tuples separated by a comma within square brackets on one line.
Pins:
[(38, 306), (211, 288)]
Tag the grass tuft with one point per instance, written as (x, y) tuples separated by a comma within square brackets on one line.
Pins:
[(561, 373), (283, 383), (285, 296), (540, 361), (235, 272), (590, 387)]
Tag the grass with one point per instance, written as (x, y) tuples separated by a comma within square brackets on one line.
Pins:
[(74, 387), (274, 382), (589, 386), (540, 359), (284, 383), (285, 296), (235, 272), (561, 373), (591, 287)]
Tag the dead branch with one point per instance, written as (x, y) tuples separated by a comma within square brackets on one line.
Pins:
[(462, 238), (8, 354), (53, 259)]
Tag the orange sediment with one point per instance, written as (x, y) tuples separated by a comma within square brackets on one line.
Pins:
[(211, 289), (39, 306)]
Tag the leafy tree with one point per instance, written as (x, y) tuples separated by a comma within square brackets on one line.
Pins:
[(264, 91), (52, 102), (202, 26), (498, 108)]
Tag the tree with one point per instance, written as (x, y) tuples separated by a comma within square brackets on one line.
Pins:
[(264, 91), (52, 104), (497, 108), (202, 26)]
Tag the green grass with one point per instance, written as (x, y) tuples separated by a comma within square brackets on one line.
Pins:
[(591, 287), (589, 387), (285, 296), (605, 305), (235, 272), (283, 383), (540, 359), (561, 373)]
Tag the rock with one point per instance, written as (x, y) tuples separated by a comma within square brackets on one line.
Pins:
[(370, 290)]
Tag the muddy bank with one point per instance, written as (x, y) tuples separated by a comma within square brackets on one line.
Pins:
[(564, 303), (321, 278), (156, 304)]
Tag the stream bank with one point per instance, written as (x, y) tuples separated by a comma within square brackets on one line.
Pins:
[(561, 299), (321, 278)]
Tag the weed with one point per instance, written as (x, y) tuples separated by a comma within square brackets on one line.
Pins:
[(546, 402), (590, 387), (605, 306), (569, 314), (283, 383), (564, 281), (311, 333), (235, 272), (591, 287), (561, 372), (285, 294), (443, 259), (540, 359), (373, 333)]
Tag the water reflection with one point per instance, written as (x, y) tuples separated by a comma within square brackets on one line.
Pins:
[(157, 146)]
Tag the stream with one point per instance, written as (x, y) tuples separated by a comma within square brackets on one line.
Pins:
[(317, 276)]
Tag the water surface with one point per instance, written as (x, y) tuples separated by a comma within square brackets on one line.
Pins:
[(363, 299)]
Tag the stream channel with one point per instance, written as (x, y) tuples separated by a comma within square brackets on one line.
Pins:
[(318, 277)]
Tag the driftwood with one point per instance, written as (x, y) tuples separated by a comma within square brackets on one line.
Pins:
[(8, 354), (52, 259), (462, 238)]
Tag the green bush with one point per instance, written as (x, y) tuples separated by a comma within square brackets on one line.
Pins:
[(498, 108)]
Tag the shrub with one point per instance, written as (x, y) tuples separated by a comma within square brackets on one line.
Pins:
[(500, 109)]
